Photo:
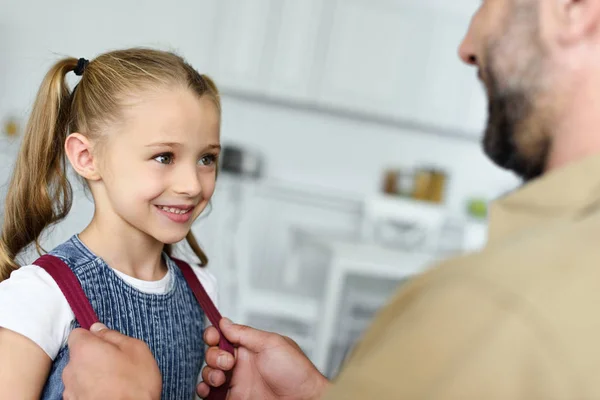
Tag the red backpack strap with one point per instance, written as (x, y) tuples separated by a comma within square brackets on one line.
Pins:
[(70, 287), (214, 316)]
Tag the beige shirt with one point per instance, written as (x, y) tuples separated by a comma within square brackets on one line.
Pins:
[(518, 320)]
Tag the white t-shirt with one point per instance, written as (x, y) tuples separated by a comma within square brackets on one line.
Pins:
[(32, 305)]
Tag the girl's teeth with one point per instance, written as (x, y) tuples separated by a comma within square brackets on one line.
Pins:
[(174, 210)]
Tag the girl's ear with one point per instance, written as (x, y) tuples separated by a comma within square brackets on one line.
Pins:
[(79, 152)]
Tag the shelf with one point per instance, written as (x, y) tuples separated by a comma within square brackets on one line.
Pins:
[(386, 204)]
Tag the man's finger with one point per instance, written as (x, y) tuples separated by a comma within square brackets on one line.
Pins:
[(110, 336), (219, 359), (78, 336), (293, 343), (250, 338), (203, 390), (97, 327), (211, 336), (67, 376), (213, 377)]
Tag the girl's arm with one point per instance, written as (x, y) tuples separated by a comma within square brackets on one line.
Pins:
[(24, 367), (35, 320)]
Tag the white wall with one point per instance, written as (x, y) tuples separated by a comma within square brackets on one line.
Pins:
[(349, 156), (300, 147)]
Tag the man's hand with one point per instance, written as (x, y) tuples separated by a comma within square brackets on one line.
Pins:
[(105, 364), (267, 366)]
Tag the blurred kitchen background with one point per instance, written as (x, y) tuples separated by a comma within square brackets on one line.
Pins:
[(351, 129)]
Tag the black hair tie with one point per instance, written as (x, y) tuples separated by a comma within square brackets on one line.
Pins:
[(81, 64)]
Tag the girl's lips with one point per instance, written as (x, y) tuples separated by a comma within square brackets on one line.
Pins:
[(177, 209), (179, 214)]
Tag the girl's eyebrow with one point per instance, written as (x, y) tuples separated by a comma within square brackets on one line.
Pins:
[(163, 144), (175, 144), (213, 146)]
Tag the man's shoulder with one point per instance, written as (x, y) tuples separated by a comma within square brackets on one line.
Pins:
[(550, 252), (520, 303), (541, 276)]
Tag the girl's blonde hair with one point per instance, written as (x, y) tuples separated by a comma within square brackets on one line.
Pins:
[(40, 194)]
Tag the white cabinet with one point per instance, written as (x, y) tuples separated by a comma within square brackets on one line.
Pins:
[(268, 47), (242, 28), (269, 252), (392, 59), (398, 60), (198, 49), (374, 59), (446, 84), (278, 222), (297, 52)]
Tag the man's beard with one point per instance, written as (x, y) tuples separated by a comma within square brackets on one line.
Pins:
[(514, 136), (517, 133)]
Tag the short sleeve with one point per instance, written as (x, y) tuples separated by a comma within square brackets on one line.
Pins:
[(32, 305)]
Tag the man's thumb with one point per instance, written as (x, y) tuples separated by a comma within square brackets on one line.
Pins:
[(253, 339), (101, 331), (97, 327)]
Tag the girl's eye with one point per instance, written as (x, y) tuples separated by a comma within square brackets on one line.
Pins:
[(208, 159), (165, 158)]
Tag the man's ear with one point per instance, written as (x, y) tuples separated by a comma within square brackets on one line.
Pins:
[(572, 20), (79, 152)]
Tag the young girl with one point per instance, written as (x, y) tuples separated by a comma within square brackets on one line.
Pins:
[(142, 129)]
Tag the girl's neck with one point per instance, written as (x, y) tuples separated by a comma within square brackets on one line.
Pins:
[(125, 249)]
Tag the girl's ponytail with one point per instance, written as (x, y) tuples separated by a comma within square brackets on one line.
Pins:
[(39, 194)]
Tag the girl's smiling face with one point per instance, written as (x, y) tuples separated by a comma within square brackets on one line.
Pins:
[(157, 169)]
